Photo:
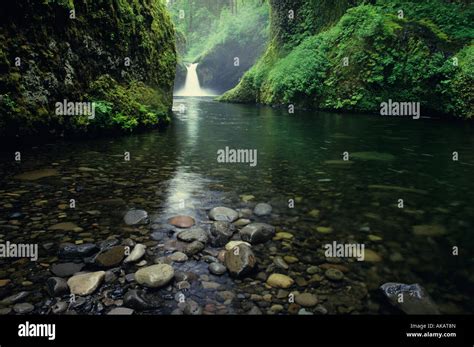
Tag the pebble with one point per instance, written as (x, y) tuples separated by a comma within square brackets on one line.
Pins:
[(334, 274), (155, 276), (85, 284), (232, 244), (217, 269), (178, 257), (66, 269), (182, 221), (306, 299), (23, 308), (223, 214), (257, 233), (137, 253), (279, 262), (111, 258), (121, 311), (59, 307), (280, 281), (135, 217), (262, 209), (240, 260), (194, 234), (56, 286)]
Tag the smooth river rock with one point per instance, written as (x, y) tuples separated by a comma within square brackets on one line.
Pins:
[(240, 260), (223, 214), (221, 232), (155, 276), (262, 209), (193, 234), (280, 281), (111, 257), (257, 233), (85, 284), (182, 221), (137, 253), (415, 298), (135, 217)]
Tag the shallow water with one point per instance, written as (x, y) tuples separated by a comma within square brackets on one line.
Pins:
[(299, 157)]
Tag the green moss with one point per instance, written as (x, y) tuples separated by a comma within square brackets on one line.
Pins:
[(388, 58)]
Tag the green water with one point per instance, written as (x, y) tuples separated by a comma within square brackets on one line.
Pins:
[(299, 158)]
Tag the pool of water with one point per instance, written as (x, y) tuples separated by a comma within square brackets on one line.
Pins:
[(300, 171)]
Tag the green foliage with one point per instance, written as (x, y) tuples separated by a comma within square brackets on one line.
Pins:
[(125, 108), (405, 59)]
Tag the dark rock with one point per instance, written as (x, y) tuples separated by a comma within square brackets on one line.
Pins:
[(240, 260), (194, 234), (66, 269), (70, 250), (111, 257), (257, 233), (415, 298), (217, 269), (193, 248), (56, 286), (221, 232)]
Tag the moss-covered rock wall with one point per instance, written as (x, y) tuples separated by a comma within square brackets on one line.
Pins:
[(356, 54), (90, 50)]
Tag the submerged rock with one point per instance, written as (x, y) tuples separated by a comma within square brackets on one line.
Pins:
[(306, 299), (193, 234), (111, 257), (280, 281), (223, 214), (134, 217), (56, 286), (193, 248), (182, 221), (155, 276), (232, 244), (66, 269), (240, 260), (262, 209), (36, 175), (257, 233), (415, 298), (217, 269), (137, 253), (429, 230), (221, 232), (85, 284)]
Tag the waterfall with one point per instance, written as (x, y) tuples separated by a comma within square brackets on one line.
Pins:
[(192, 87)]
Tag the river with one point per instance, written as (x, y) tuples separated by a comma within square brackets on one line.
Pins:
[(316, 196)]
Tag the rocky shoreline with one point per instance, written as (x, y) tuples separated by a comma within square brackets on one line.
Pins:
[(233, 262)]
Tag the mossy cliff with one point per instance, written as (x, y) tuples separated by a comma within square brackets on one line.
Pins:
[(354, 55), (119, 54)]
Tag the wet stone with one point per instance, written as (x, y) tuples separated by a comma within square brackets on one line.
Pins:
[(111, 257), (56, 286), (217, 269), (66, 269), (262, 209), (136, 217), (223, 214), (257, 233), (182, 221), (221, 232), (193, 248), (240, 260), (23, 308), (193, 234), (334, 274)]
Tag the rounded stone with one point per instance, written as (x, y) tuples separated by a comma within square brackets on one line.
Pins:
[(155, 276), (334, 274), (262, 209), (85, 284), (306, 299), (182, 221), (240, 260), (217, 269), (223, 214), (280, 281)]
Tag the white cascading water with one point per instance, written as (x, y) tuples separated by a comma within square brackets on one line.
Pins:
[(192, 86)]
